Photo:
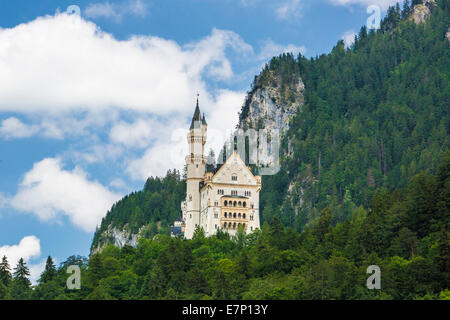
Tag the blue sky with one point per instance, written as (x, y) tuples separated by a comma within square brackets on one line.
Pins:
[(92, 104)]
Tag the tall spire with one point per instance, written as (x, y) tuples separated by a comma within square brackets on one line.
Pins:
[(197, 115)]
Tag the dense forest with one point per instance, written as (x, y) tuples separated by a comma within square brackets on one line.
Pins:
[(364, 180), (375, 114), (405, 233), (147, 212)]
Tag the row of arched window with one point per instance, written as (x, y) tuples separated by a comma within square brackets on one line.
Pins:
[(234, 225), (234, 215), (230, 203)]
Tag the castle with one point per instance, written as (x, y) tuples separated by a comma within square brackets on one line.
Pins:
[(225, 199)]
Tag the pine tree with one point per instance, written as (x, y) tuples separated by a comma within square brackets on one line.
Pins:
[(21, 272), (49, 272), (5, 272)]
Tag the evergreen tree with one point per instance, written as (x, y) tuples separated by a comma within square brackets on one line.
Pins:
[(49, 271), (5, 272)]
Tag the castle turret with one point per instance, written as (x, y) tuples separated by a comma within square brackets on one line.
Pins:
[(196, 165)]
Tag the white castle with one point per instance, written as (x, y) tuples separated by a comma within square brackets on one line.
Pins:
[(226, 199)]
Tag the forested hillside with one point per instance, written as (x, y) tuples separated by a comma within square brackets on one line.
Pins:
[(142, 214), (375, 114), (405, 234), (364, 180)]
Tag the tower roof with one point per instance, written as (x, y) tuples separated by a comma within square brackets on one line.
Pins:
[(204, 120), (197, 116)]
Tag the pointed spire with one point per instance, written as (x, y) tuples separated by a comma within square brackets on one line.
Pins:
[(204, 120), (197, 116)]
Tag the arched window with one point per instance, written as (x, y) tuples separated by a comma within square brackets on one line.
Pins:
[(234, 177), (225, 214), (229, 225), (234, 215), (239, 215), (244, 204), (234, 225), (239, 203), (234, 204), (243, 215), (225, 225)]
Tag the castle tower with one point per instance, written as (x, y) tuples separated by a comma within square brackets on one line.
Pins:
[(196, 165)]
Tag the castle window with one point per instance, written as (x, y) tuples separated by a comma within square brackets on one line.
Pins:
[(251, 228), (251, 217), (234, 192), (216, 216), (229, 225), (251, 206), (234, 177), (225, 214), (234, 204), (234, 225), (239, 215), (243, 216), (225, 203), (244, 204), (215, 226), (239, 203), (234, 215), (225, 225)]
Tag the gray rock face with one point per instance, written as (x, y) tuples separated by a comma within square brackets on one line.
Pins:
[(422, 11), (267, 109), (117, 237)]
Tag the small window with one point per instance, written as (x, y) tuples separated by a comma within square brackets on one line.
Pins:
[(234, 177)]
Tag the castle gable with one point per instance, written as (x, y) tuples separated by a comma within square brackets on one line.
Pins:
[(234, 171)]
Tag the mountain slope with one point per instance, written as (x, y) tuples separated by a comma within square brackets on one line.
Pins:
[(374, 115)]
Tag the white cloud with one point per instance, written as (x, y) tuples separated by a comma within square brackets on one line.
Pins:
[(349, 38), (170, 150), (383, 4), (116, 11), (270, 49), (289, 9), (14, 128), (29, 247), (137, 134), (37, 269), (48, 192), (63, 63)]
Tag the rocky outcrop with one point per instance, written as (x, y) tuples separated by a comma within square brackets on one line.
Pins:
[(117, 237), (421, 12), (270, 105)]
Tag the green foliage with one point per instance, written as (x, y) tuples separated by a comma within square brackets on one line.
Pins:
[(151, 210), (276, 262), (375, 115)]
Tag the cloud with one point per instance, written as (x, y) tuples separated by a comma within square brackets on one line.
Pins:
[(137, 134), (383, 4), (116, 11), (171, 148), (349, 38), (14, 128), (63, 63), (48, 191), (270, 49), (29, 247), (289, 9)]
